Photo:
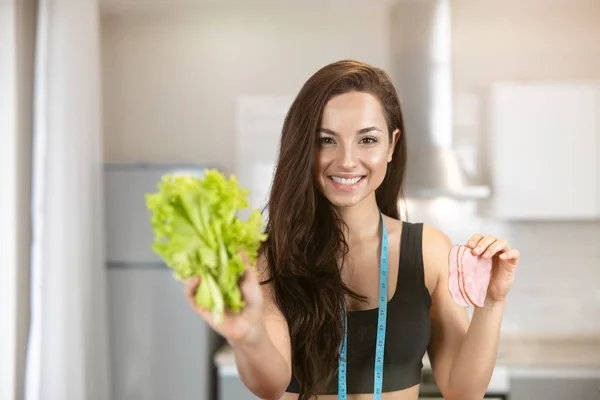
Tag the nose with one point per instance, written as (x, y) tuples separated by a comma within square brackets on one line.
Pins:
[(348, 157)]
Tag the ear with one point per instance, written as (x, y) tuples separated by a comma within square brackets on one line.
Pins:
[(395, 137)]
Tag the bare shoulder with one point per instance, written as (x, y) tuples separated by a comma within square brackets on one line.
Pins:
[(435, 241), (436, 249)]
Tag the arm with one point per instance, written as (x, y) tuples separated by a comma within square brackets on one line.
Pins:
[(462, 355), (264, 360), (258, 335), (263, 357)]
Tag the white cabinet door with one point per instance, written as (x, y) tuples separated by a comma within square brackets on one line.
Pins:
[(259, 121), (545, 148)]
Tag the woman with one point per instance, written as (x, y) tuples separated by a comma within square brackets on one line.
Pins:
[(332, 208)]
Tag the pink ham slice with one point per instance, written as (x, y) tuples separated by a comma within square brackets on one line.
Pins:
[(461, 286), (453, 278), (476, 274), (469, 277)]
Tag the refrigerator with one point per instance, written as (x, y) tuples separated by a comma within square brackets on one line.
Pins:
[(160, 349)]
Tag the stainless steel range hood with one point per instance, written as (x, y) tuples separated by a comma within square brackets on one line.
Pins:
[(422, 74)]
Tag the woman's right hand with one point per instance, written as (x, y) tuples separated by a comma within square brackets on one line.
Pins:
[(247, 326)]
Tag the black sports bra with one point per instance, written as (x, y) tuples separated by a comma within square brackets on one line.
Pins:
[(408, 328)]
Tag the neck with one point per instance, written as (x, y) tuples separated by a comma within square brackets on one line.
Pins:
[(362, 219)]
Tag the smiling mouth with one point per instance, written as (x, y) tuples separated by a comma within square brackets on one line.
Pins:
[(347, 181)]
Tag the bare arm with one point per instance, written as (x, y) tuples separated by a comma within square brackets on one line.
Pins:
[(258, 335), (263, 358), (462, 355)]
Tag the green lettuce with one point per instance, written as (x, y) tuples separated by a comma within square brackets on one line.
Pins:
[(198, 233)]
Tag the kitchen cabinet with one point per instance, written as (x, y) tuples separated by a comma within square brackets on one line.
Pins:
[(545, 151)]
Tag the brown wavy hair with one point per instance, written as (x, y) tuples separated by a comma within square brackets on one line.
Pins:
[(305, 236)]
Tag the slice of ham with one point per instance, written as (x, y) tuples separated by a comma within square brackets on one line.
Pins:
[(468, 277), (453, 277), (461, 282), (477, 272)]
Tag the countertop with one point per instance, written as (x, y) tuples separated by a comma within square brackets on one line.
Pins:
[(518, 351)]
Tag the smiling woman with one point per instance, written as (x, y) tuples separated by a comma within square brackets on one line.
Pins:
[(352, 297)]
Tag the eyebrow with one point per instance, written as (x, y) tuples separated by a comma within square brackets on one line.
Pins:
[(360, 132)]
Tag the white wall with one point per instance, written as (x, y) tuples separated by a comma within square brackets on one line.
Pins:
[(171, 78), (16, 39)]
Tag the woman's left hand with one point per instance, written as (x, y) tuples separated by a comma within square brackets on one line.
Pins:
[(504, 264)]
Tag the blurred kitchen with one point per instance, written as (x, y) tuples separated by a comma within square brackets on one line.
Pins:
[(502, 106)]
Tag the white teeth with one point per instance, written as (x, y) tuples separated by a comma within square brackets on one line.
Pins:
[(345, 181)]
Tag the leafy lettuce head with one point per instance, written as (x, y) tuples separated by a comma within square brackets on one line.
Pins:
[(197, 233)]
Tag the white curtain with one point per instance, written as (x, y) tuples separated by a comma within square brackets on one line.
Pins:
[(68, 345)]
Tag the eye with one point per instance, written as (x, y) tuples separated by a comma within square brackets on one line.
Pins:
[(368, 140), (325, 140)]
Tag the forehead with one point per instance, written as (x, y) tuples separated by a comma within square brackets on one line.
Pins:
[(353, 111)]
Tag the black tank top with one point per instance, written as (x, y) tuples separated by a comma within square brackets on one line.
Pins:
[(407, 333)]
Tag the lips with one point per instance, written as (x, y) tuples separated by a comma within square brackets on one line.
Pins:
[(347, 180), (347, 183)]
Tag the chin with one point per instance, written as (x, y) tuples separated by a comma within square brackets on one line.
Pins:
[(347, 200), (343, 203)]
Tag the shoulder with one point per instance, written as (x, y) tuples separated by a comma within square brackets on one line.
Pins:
[(394, 230), (435, 242), (436, 250), (393, 225)]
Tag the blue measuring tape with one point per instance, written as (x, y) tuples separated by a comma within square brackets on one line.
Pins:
[(381, 323)]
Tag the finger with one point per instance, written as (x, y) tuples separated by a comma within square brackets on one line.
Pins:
[(244, 256), (511, 255), (249, 285), (494, 248), (191, 285), (473, 240), (204, 313), (483, 244), (250, 267)]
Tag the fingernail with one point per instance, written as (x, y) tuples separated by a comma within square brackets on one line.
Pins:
[(486, 254), (477, 249), (471, 243), (503, 256)]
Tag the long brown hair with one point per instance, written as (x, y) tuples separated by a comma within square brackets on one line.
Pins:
[(306, 239)]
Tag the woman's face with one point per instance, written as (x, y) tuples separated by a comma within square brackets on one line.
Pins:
[(352, 149)]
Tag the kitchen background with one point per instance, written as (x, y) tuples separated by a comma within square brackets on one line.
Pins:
[(172, 76), (206, 83)]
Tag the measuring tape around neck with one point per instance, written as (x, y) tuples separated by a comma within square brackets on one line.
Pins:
[(381, 326)]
